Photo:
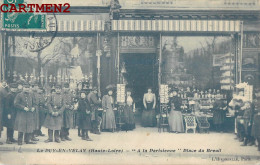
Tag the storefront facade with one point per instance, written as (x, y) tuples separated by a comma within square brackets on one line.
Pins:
[(107, 40)]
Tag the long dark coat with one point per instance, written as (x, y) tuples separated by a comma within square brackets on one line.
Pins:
[(256, 126), (3, 94), (24, 121), (36, 112), (55, 104), (9, 109), (84, 118), (68, 112), (94, 104), (108, 118), (42, 109)]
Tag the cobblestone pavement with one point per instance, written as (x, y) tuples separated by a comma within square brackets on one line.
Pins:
[(142, 146)]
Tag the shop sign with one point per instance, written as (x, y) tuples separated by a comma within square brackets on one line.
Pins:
[(137, 41)]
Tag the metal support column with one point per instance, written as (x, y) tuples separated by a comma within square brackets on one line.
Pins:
[(118, 58), (159, 62), (98, 54), (241, 52)]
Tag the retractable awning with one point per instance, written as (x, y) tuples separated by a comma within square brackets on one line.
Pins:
[(177, 25)]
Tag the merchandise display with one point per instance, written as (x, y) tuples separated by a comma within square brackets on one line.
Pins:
[(120, 97)]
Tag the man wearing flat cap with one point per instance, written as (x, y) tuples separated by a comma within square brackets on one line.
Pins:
[(67, 114), (53, 121), (95, 102), (10, 113), (24, 122)]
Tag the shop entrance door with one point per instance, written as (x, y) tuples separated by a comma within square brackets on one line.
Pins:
[(141, 72)]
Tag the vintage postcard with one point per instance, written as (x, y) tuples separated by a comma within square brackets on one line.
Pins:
[(130, 82)]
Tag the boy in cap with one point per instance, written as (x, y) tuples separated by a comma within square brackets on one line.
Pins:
[(10, 113), (24, 124), (53, 121), (67, 114)]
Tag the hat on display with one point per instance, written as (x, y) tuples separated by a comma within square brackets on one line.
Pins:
[(26, 85), (42, 89), (57, 86), (20, 82), (34, 84), (13, 85)]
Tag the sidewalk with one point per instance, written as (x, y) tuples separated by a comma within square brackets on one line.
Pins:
[(142, 144)]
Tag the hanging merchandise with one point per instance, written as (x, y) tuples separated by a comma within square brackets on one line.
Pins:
[(164, 97), (247, 90), (120, 93), (227, 75)]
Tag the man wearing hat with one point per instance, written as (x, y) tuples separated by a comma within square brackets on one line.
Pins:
[(19, 86), (95, 103), (24, 122), (53, 121), (3, 94), (256, 120), (247, 123), (10, 113), (67, 114), (34, 90), (41, 109)]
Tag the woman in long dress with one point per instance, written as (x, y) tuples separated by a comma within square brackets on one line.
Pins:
[(108, 117), (175, 119), (129, 110), (219, 115), (148, 116)]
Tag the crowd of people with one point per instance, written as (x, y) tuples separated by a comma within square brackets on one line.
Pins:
[(27, 108), (247, 118)]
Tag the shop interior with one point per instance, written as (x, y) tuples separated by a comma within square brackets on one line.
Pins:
[(140, 72)]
